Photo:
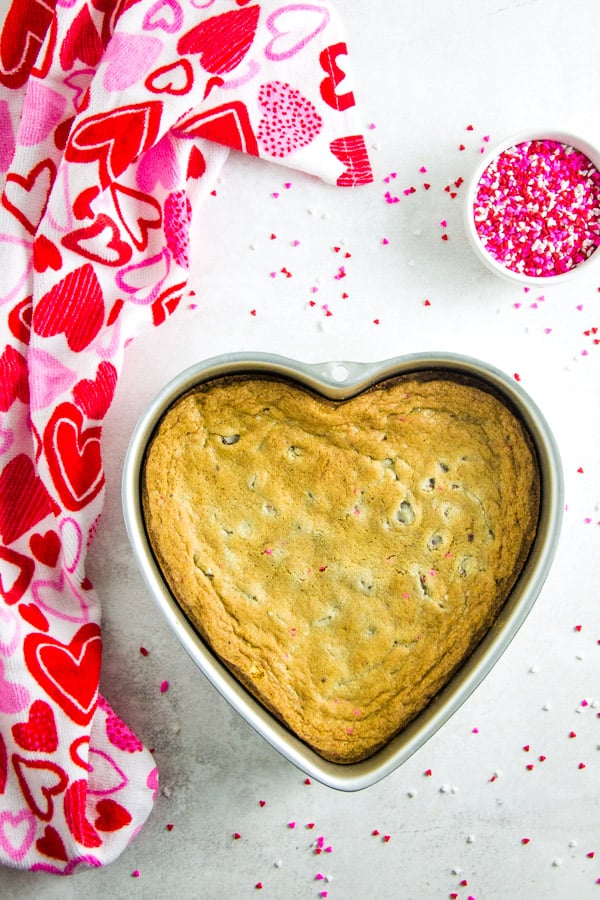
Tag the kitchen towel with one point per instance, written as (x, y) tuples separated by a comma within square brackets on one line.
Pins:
[(116, 117)]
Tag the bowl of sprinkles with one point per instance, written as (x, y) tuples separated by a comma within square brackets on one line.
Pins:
[(533, 207)]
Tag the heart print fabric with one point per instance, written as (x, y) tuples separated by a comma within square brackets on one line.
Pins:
[(116, 117)]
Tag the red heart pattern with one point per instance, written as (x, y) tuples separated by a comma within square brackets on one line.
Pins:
[(46, 255), (46, 547), (23, 34), (68, 673), (227, 124), (33, 615), (26, 196), (175, 78), (73, 307), (74, 457), (335, 74), (51, 844), (24, 500), (111, 815), (138, 212), (222, 41), (16, 574), (94, 397), (114, 139), (352, 153), (38, 733), (19, 320), (14, 383), (100, 242), (91, 200), (40, 781), (82, 42), (75, 815)]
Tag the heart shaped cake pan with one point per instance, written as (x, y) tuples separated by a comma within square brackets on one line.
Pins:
[(340, 381)]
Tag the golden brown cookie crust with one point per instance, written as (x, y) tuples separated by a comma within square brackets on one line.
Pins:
[(341, 558)]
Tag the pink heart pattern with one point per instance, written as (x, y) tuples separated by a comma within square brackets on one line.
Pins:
[(289, 122), (102, 173)]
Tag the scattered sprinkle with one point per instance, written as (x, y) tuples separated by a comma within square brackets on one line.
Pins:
[(164, 686)]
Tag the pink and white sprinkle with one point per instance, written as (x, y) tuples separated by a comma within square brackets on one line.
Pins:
[(537, 208)]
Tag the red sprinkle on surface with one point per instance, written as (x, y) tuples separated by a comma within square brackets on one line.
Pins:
[(307, 781), (581, 765), (375, 832), (236, 835), (387, 838), (143, 651), (525, 840), (262, 802), (428, 773), (572, 734), (537, 208), (259, 885)]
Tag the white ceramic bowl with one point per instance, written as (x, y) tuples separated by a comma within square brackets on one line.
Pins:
[(563, 137)]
